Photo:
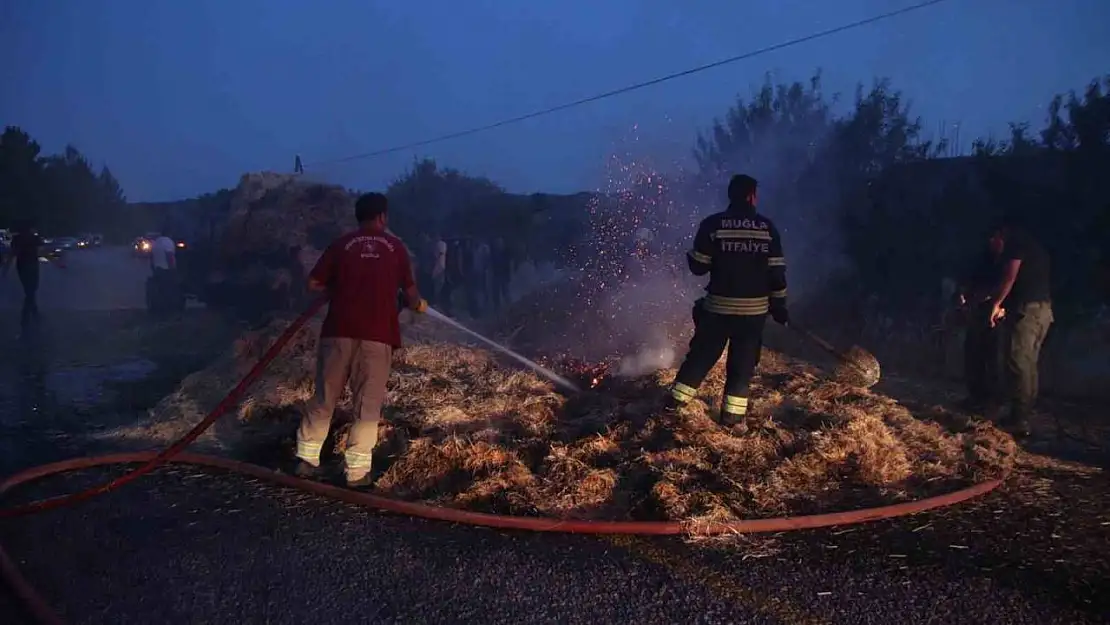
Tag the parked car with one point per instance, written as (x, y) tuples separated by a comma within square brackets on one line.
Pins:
[(52, 249), (89, 240), (143, 244)]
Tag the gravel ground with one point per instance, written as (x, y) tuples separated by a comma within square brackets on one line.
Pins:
[(192, 546), (187, 546)]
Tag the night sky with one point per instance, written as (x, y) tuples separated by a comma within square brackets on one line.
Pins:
[(180, 97)]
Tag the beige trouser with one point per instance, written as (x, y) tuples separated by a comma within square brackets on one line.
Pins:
[(367, 365)]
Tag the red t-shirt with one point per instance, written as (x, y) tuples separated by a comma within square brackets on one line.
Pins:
[(363, 270)]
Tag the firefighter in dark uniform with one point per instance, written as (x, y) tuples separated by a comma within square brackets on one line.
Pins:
[(742, 253)]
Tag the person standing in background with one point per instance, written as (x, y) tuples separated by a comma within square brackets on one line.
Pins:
[(438, 267), (452, 274), (466, 260), (501, 270), (982, 342), (25, 256), (163, 264), (480, 276), (163, 254), (1021, 306), (420, 261)]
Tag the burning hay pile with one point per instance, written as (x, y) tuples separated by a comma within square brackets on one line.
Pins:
[(470, 433), (464, 430)]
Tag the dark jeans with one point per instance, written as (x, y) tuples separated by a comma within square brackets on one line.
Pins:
[(29, 280), (166, 295), (1024, 331), (743, 335), (983, 359)]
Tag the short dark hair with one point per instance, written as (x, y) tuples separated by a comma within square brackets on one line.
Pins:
[(369, 206), (740, 187), (1008, 223)]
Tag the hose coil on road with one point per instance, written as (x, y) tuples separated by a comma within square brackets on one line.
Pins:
[(40, 609)]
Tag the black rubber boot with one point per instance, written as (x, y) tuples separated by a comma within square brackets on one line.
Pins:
[(305, 471), (734, 423), (364, 483), (1018, 426), (672, 405), (727, 419)]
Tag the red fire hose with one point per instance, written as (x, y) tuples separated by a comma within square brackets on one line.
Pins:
[(150, 461)]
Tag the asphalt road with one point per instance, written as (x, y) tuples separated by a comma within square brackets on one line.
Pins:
[(190, 546), (105, 278)]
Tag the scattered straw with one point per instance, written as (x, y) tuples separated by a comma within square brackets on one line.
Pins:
[(465, 430)]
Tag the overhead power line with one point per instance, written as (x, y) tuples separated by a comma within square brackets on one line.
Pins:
[(641, 85)]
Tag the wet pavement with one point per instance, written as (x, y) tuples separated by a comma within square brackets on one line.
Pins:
[(192, 546), (106, 278)]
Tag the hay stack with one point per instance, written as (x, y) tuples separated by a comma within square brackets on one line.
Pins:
[(272, 212), (465, 430), (269, 214)]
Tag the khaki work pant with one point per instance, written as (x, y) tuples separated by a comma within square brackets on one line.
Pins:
[(1024, 331), (366, 364)]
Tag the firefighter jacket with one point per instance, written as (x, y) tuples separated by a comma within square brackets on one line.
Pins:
[(742, 253)]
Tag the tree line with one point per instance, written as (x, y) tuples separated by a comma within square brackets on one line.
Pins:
[(59, 194), (907, 211), (866, 191)]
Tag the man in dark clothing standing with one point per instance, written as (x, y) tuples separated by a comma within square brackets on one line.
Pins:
[(1021, 306), (453, 275), (25, 256), (982, 342), (742, 253), (468, 274)]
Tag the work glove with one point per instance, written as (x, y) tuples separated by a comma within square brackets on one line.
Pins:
[(779, 313)]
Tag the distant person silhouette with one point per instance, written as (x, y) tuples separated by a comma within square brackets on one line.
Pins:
[(163, 264), (25, 256), (501, 265)]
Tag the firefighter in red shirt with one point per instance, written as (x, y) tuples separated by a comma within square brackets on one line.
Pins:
[(361, 272)]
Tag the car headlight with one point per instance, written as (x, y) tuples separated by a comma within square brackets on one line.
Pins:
[(180, 244)]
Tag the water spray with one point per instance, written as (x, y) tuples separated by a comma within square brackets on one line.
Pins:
[(557, 379)]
